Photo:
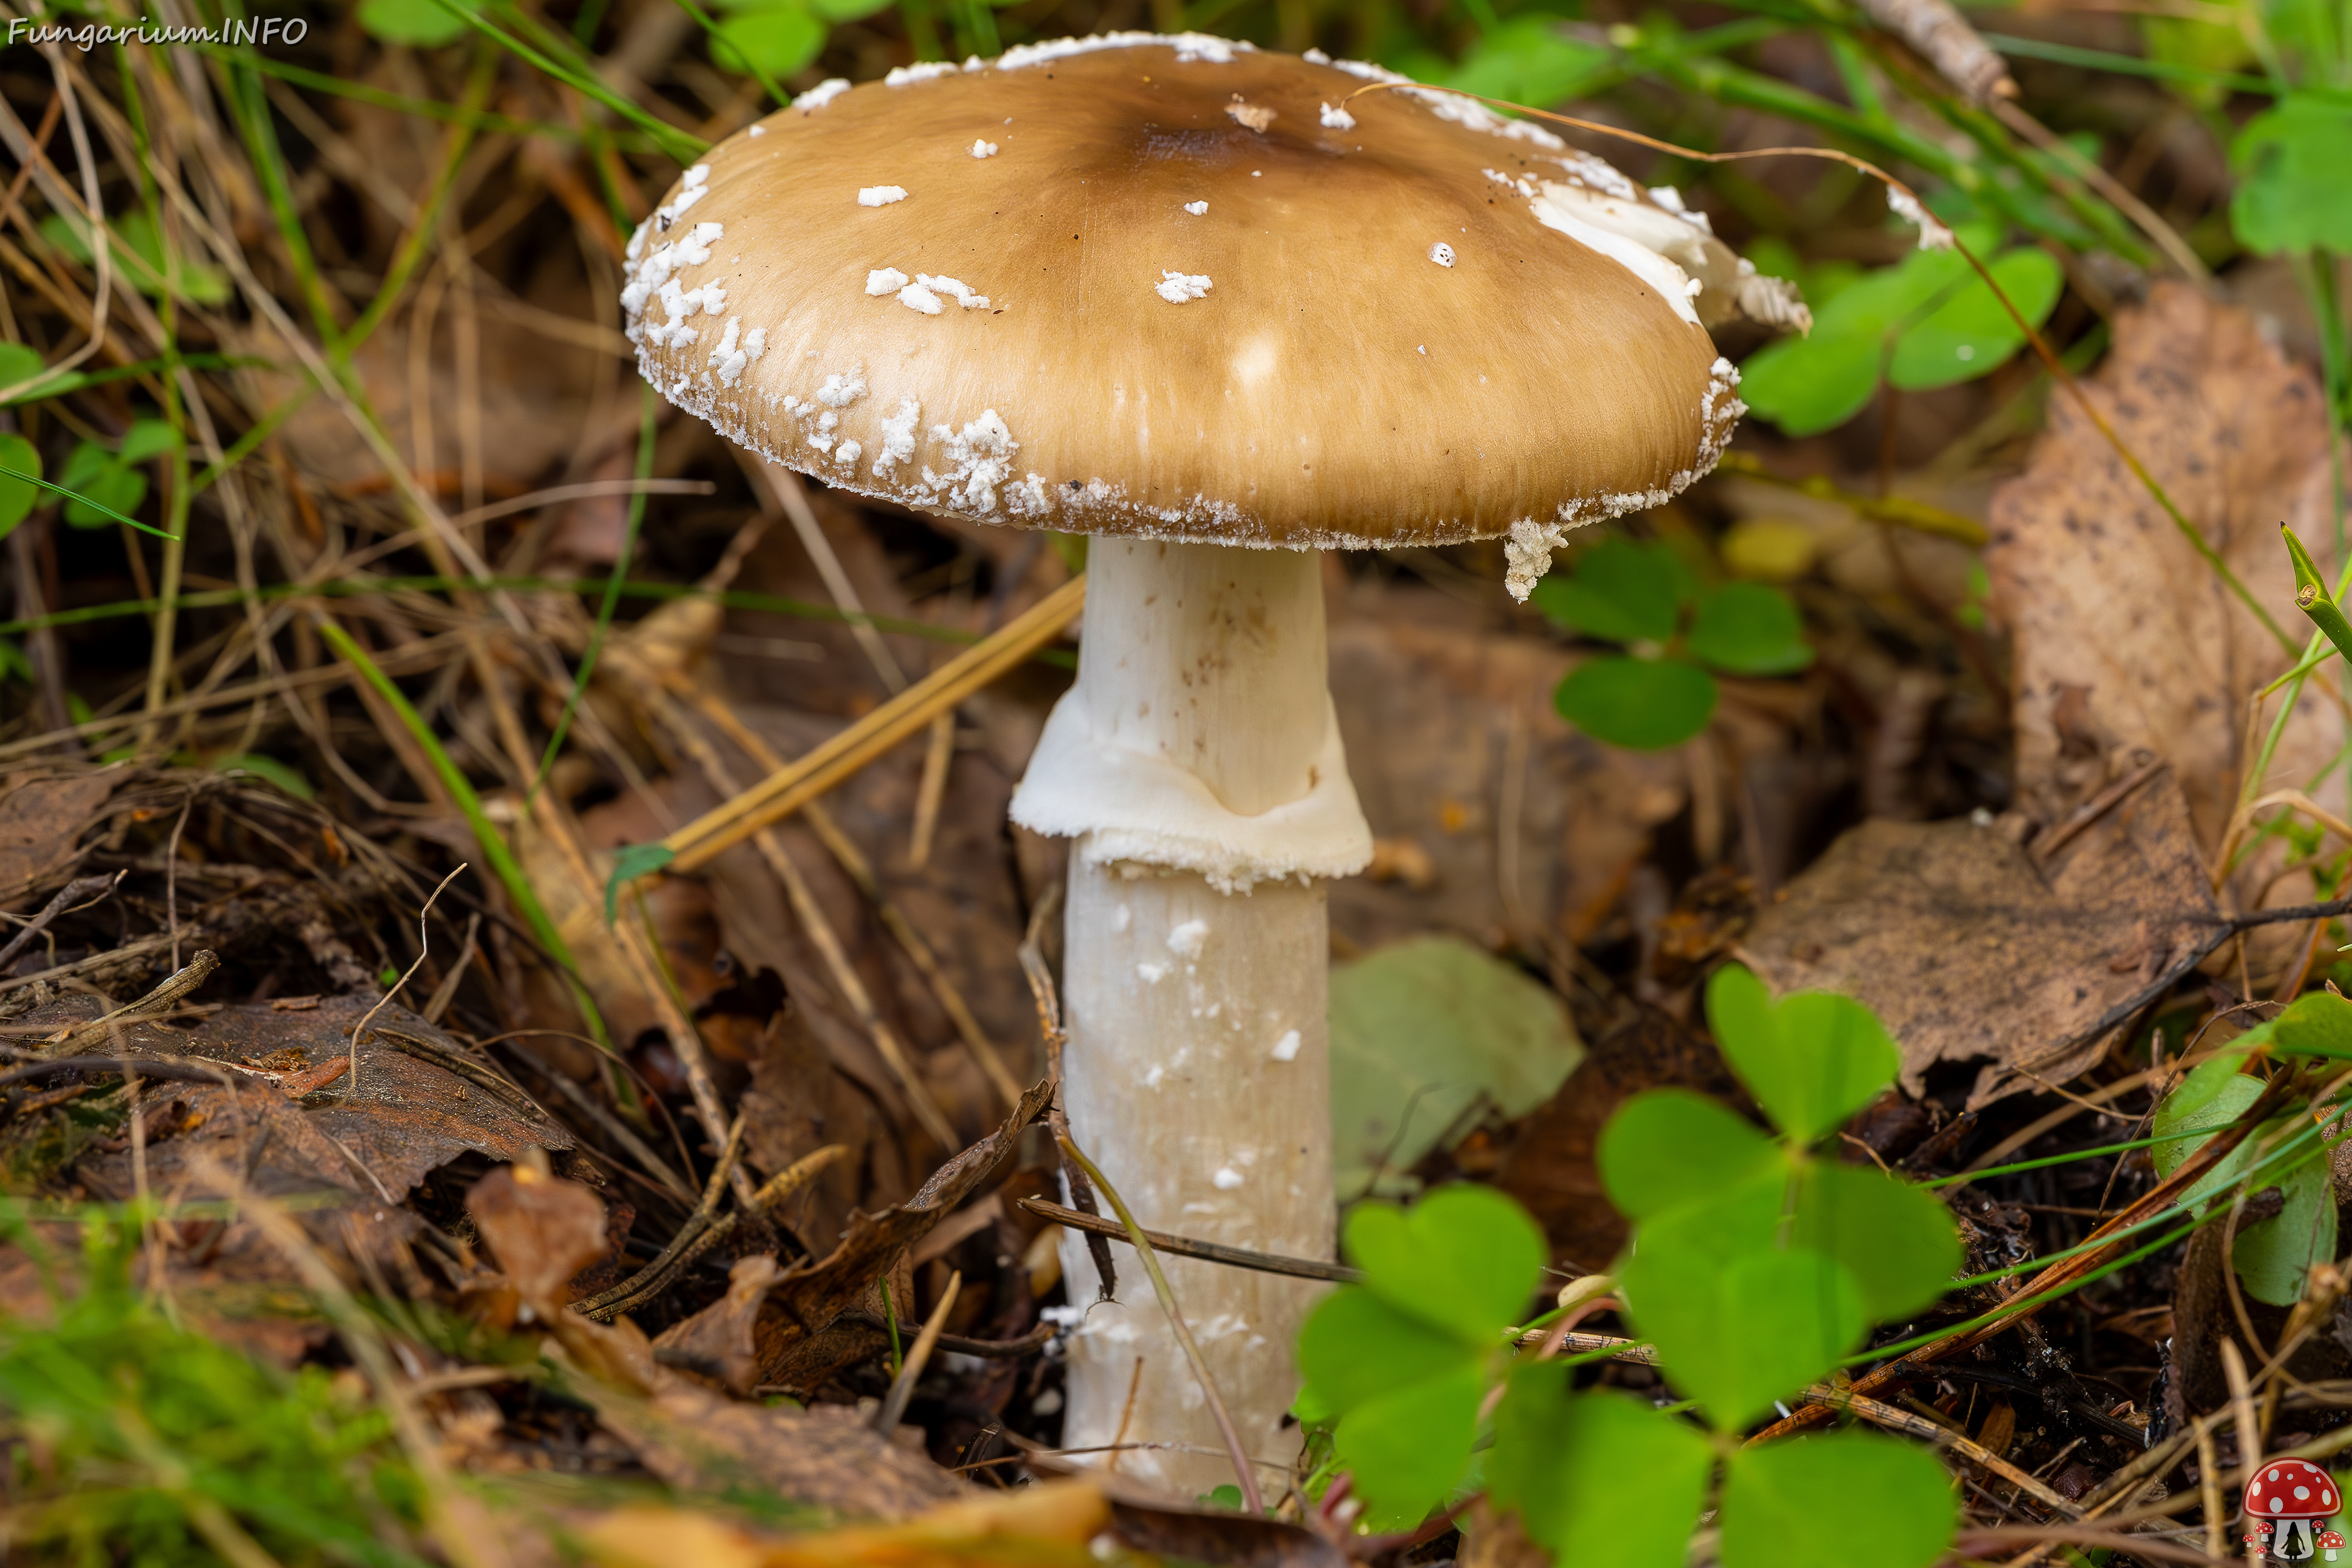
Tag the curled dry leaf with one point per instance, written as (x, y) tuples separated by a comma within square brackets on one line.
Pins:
[(2125, 638), (1968, 948), (716, 1342), (800, 1340), (541, 1230)]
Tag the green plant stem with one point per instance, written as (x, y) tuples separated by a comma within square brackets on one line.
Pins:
[(890, 1317), (2159, 1217), (2125, 65), (262, 429), (251, 109), (142, 371), (495, 851), (647, 406), (2312, 597), (2049, 1160), (2016, 1306), (143, 607), (399, 104)]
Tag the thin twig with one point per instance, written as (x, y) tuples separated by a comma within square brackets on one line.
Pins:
[(89, 889), (424, 944), (1186, 1246), (693, 1241), (180, 983), (826, 765)]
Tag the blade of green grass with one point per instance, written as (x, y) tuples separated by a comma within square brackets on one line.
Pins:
[(2312, 597), (425, 228), (74, 380), (502, 863), (95, 505), (648, 407)]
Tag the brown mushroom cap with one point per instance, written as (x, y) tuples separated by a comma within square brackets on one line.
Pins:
[(1380, 330)]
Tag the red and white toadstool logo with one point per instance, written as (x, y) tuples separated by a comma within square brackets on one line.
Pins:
[(2293, 1497)]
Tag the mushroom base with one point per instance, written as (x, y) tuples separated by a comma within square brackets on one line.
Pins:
[(1198, 1079)]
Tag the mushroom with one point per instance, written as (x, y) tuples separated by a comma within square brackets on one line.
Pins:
[(2331, 1542), (2292, 1496), (1195, 306)]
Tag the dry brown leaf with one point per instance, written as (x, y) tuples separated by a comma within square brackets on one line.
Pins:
[(1551, 1166), (1968, 949), (2124, 637), (799, 1102), (541, 1230), (1411, 663), (409, 1114), (716, 1341), (41, 822), (800, 1340)]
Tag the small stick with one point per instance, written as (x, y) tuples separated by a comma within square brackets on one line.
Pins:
[(172, 873), (199, 969), (446, 991), (1186, 1246), (1252, 1500), (2250, 1435), (1894, 1420), (89, 889), (176, 1069), (825, 765), (933, 789), (902, 1387), (700, 1235), (2209, 1487), (423, 945)]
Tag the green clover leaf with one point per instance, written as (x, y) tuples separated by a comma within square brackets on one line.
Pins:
[(1641, 704), (1811, 1059)]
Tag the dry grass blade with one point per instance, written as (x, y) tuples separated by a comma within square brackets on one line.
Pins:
[(424, 946), (902, 1387), (1243, 1472), (826, 766)]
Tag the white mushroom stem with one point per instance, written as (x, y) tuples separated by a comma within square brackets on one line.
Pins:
[(1197, 764)]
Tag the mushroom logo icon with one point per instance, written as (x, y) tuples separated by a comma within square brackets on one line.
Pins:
[(2330, 1542), (2294, 1497)]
